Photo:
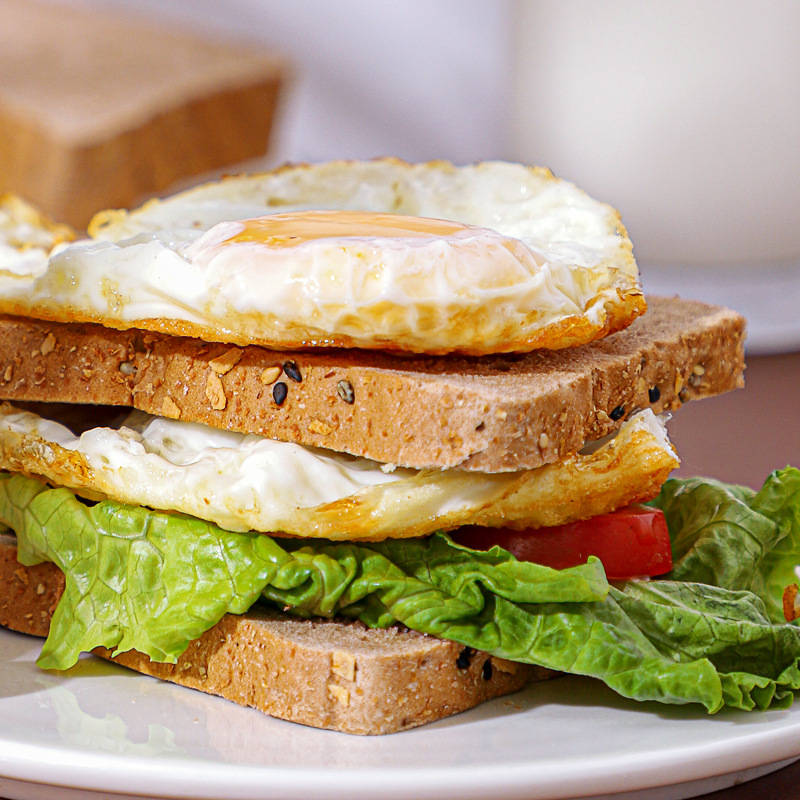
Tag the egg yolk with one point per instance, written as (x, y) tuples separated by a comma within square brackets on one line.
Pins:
[(292, 229)]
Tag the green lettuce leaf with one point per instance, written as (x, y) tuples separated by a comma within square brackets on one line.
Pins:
[(734, 537), (134, 579), (153, 581)]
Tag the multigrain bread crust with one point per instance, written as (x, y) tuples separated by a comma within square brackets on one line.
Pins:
[(329, 674), (489, 414)]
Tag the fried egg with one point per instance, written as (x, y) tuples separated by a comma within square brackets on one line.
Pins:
[(26, 239), (247, 482), (427, 258)]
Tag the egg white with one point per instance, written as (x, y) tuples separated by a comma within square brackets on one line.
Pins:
[(27, 239)]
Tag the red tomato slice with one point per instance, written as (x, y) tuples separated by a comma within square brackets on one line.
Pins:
[(632, 542)]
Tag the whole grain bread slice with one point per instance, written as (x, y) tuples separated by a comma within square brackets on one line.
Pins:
[(332, 674), (490, 414)]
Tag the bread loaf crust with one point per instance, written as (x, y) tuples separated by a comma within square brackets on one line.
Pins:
[(332, 674), (490, 414)]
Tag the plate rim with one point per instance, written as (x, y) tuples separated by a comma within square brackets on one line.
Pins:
[(152, 776)]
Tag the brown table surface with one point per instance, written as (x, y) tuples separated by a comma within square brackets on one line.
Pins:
[(784, 784)]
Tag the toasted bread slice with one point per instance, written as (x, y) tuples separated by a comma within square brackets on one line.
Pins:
[(492, 414), (332, 674)]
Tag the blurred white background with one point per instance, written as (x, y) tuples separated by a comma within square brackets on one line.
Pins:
[(418, 79), (684, 115)]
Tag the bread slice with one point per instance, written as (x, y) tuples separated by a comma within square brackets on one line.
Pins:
[(332, 674), (490, 414)]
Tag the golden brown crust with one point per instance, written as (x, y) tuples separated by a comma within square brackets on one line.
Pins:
[(572, 331), (328, 674), (489, 414)]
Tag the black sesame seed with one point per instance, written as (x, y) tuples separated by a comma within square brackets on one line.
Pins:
[(464, 658), (279, 392), (345, 391), (654, 394), (617, 413), (487, 669), (292, 372)]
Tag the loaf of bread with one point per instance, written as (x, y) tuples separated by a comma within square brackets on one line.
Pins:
[(332, 674), (489, 414)]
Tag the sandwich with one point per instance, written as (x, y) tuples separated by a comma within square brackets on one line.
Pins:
[(364, 444)]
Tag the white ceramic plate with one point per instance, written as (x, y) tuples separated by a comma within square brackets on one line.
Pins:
[(104, 730)]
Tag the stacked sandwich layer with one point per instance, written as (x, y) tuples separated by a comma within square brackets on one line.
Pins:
[(183, 403)]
